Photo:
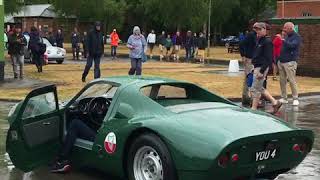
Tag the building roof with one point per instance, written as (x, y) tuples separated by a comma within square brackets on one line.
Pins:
[(38, 10)]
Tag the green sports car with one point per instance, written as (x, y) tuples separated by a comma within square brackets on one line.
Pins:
[(156, 129)]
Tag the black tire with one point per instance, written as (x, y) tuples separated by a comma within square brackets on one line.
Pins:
[(153, 141), (59, 61)]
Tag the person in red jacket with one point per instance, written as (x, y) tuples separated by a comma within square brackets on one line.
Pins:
[(277, 44), (114, 37)]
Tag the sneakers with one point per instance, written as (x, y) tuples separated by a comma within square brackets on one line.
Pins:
[(283, 101), (276, 107), (295, 102), (61, 167)]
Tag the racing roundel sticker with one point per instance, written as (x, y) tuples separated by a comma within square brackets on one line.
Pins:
[(110, 143)]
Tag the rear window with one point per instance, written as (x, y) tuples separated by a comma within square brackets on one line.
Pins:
[(164, 92)]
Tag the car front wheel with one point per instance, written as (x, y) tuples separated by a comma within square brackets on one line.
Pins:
[(149, 159)]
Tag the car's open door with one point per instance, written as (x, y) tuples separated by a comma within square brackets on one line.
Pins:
[(35, 134)]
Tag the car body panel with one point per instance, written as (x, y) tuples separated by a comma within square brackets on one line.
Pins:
[(196, 133), (54, 53)]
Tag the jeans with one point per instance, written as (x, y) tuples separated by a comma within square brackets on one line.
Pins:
[(113, 51), (188, 53), (85, 51), (77, 129), (75, 51), (17, 60), (90, 59), (136, 67)]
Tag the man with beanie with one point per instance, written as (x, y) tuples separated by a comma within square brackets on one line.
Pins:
[(96, 50)]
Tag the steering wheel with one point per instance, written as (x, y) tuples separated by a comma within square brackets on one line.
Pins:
[(98, 106)]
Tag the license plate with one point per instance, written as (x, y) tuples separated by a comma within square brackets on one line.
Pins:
[(266, 155)]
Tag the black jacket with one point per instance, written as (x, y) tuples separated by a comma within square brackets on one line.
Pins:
[(263, 54), (290, 48), (17, 44), (202, 43), (189, 43), (59, 40), (95, 43), (249, 44)]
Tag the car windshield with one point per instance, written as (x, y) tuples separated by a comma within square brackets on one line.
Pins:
[(96, 90), (46, 42)]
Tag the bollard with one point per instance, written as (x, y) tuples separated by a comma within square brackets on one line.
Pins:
[(233, 66)]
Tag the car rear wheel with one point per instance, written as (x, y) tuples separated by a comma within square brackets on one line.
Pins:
[(59, 61), (149, 159)]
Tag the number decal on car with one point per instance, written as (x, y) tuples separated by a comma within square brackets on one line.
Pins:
[(265, 155)]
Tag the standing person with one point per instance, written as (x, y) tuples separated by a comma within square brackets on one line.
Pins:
[(34, 46), (114, 43), (84, 41), (59, 38), (17, 44), (151, 40), (52, 39), (262, 59), (168, 44), (248, 46), (288, 63), (177, 41), (138, 47), (195, 45), (96, 50), (75, 42), (189, 43), (277, 44), (162, 42), (202, 44)]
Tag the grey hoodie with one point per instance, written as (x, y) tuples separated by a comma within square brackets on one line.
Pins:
[(137, 44)]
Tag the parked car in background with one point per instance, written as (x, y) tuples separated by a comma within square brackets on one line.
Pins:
[(53, 53), (230, 40)]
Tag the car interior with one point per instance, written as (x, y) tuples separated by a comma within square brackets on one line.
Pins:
[(91, 107)]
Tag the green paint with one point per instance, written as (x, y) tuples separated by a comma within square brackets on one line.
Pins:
[(197, 130)]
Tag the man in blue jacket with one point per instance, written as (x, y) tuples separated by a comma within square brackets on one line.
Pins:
[(288, 63)]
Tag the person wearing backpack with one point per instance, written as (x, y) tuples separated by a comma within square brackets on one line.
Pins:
[(37, 48)]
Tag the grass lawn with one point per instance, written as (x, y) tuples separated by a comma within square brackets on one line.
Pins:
[(68, 78)]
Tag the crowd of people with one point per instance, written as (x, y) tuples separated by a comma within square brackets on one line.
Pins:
[(261, 54)]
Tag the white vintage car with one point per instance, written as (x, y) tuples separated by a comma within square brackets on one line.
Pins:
[(54, 53)]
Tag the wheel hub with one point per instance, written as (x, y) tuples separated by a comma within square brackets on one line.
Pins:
[(147, 164)]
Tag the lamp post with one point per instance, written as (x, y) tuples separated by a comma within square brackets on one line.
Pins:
[(1, 41), (209, 29)]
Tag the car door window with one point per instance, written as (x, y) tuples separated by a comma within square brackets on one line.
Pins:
[(39, 105)]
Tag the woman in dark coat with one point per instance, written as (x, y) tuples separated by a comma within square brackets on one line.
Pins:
[(34, 46)]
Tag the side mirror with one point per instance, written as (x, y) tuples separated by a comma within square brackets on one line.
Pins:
[(125, 111)]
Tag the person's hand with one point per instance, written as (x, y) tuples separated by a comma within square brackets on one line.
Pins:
[(259, 75)]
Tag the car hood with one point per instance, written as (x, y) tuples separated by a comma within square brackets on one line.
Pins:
[(53, 49), (226, 123)]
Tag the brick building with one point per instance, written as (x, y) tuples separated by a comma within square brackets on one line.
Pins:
[(305, 14), (298, 8), (44, 17)]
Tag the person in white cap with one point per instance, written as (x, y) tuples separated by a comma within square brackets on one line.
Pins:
[(114, 37)]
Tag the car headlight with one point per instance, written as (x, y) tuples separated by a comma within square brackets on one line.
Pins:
[(12, 110), (48, 52), (59, 51)]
